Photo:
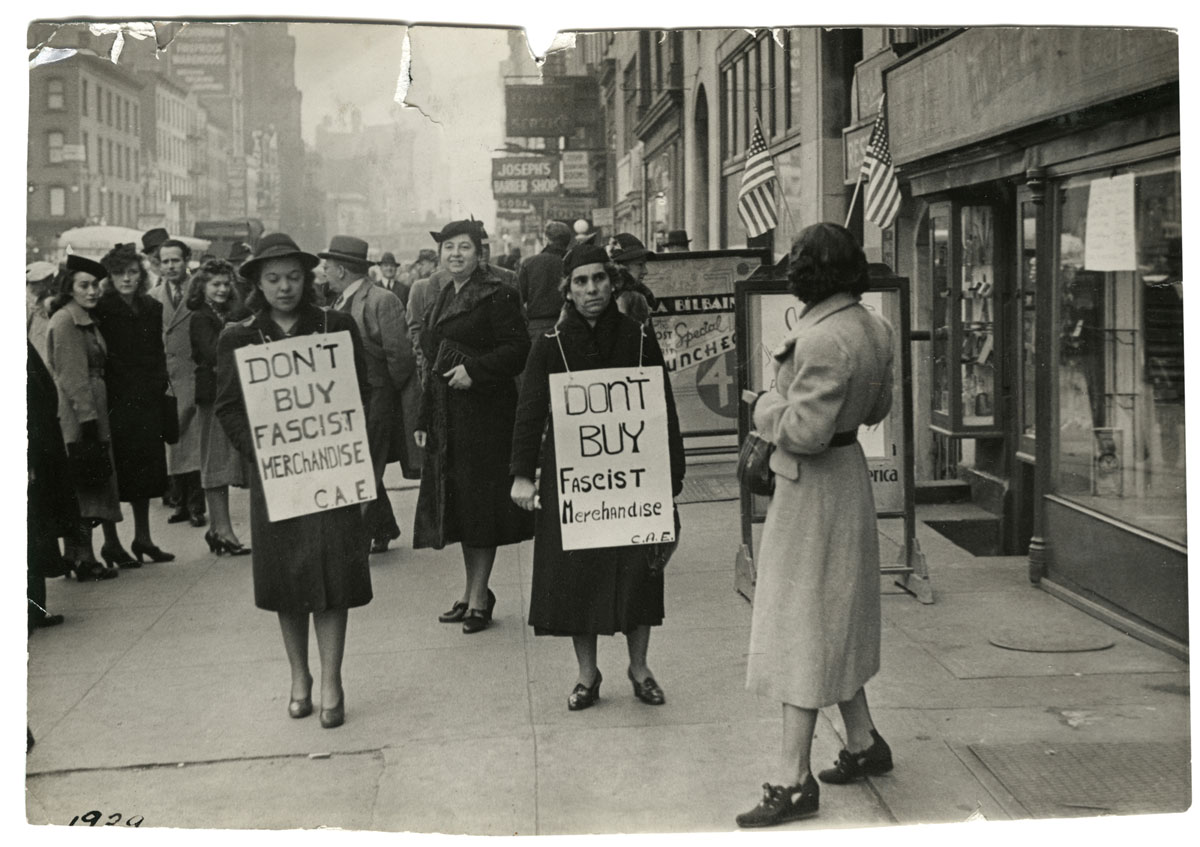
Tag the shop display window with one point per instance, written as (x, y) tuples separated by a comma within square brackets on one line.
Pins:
[(1121, 440), (1027, 320)]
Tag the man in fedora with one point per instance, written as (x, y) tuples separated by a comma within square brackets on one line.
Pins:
[(152, 239), (633, 296), (391, 366), (390, 280), (677, 241)]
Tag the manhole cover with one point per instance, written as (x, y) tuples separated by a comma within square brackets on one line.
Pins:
[(1039, 640)]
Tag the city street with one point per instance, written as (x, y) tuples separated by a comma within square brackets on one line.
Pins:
[(164, 697)]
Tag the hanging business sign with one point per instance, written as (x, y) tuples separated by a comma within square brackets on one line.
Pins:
[(613, 457), (576, 171), (306, 418), (532, 176), (569, 208), (557, 107)]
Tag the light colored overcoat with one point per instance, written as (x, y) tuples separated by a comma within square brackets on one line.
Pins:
[(814, 638), (183, 457)]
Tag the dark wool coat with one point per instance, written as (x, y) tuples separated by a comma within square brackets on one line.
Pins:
[(309, 563), (53, 510), (136, 375), (465, 485), (602, 590)]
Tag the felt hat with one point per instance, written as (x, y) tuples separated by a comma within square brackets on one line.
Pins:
[(472, 228), (630, 248), (152, 239), (39, 272), (277, 245), (677, 238), (239, 252), (76, 262), (348, 249), (387, 259), (427, 255), (583, 254)]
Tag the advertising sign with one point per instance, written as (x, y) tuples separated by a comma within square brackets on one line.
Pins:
[(532, 176), (576, 172), (614, 460), (694, 324), (306, 416), (569, 208), (199, 56), (552, 109)]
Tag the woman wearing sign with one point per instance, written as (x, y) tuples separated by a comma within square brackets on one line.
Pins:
[(315, 564), (213, 301), (814, 639), (599, 591), (474, 343)]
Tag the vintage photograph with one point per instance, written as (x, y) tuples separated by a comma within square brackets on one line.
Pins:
[(390, 388)]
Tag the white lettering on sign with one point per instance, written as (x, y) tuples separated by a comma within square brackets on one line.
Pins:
[(614, 462), (306, 418), (540, 167)]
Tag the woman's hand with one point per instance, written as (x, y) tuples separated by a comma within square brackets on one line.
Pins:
[(419, 438), (458, 377), (524, 493)]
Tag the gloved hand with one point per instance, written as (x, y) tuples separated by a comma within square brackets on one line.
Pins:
[(89, 431)]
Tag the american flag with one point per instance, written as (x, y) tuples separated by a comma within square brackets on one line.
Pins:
[(756, 200), (882, 199)]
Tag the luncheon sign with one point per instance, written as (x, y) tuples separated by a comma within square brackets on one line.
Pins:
[(614, 461), (306, 417)]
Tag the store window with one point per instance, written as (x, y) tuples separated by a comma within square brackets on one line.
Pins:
[(1121, 429), (1027, 320), (55, 94)]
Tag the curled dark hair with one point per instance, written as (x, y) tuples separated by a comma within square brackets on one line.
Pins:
[(121, 257), (826, 259), (256, 302), (207, 272), (64, 285), (175, 242), (614, 272)]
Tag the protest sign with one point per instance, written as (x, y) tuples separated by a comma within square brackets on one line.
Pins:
[(306, 417), (614, 460)]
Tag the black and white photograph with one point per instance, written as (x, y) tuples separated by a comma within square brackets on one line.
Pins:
[(395, 380)]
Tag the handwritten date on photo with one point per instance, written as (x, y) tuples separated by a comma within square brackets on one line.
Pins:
[(94, 817)]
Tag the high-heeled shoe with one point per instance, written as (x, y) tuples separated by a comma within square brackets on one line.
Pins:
[(456, 613), (220, 545), (648, 691), (93, 571), (115, 556), (491, 605), (302, 707), (336, 716), (582, 697), (155, 554)]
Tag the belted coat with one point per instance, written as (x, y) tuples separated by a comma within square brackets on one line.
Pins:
[(184, 455)]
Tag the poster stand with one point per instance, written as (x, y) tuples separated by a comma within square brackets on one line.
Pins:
[(765, 312)]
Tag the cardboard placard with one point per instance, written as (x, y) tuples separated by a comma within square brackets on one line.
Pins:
[(614, 459), (306, 418), (1111, 243)]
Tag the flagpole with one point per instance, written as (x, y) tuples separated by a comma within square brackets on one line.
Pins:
[(778, 180), (854, 199)]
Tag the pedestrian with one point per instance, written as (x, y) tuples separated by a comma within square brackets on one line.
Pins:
[(214, 302), (75, 356), (152, 239), (634, 298), (52, 511), (316, 564), (389, 281), (239, 252), (539, 281), (391, 364), (600, 591), (475, 343), (183, 457), (421, 296), (39, 291), (677, 241), (135, 371), (814, 638)]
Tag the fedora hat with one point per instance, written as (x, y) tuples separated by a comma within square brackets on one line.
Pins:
[(387, 259), (277, 245), (239, 252), (630, 248), (348, 249), (677, 238), (152, 239)]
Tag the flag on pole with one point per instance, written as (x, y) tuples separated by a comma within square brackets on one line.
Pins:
[(756, 200), (882, 198)]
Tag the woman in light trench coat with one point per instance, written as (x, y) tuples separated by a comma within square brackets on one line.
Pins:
[(814, 638)]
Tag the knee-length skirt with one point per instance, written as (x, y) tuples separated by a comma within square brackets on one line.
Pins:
[(221, 464)]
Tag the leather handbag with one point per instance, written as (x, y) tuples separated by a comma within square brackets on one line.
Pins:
[(90, 463), (754, 465), (451, 354)]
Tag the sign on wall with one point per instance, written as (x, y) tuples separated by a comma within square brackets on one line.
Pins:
[(576, 171), (199, 56), (532, 176), (306, 418), (613, 457)]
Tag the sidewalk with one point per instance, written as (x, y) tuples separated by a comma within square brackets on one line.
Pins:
[(164, 695)]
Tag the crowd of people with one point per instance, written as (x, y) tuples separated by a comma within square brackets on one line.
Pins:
[(134, 395)]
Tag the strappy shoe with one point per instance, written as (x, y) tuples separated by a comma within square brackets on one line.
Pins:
[(783, 803), (875, 760), (584, 697), (457, 612)]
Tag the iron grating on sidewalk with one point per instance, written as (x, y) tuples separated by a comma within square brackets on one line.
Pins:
[(1084, 779)]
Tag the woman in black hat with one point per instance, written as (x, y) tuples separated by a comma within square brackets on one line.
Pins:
[(131, 322), (600, 591), (474, 343), (314, 564), (75, 353)]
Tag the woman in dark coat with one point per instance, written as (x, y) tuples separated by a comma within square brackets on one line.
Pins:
[(52, 511), (600, 591), (474, 343), (136, 375), (314, 564), (213, 301)]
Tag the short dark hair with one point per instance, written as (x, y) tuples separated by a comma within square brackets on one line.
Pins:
[(205, 273), (614, 276), (255, 301), (64, 285), (121, 257), (174, 242), (826, 259)]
